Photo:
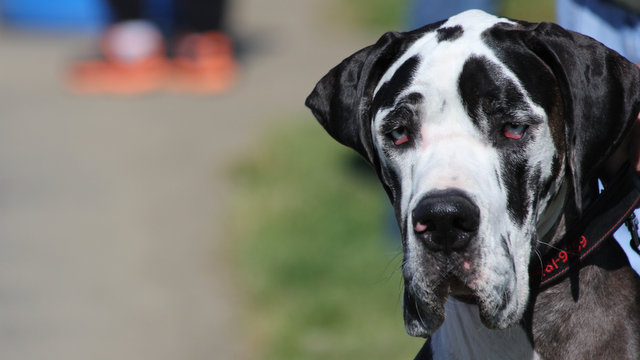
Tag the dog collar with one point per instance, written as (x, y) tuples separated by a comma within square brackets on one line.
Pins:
[(612, 208)]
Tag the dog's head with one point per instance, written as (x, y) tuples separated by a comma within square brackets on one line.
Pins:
[(484, 132)]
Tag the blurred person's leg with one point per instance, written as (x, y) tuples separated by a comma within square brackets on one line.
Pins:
[(202, 15), (132, 55), (123, 10), (614, 26), (204, 59)]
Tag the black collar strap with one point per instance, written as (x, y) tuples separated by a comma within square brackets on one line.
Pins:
[(613, 207)]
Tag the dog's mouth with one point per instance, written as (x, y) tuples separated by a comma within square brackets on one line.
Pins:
[(424, 310), (457, 287), (454, 286)]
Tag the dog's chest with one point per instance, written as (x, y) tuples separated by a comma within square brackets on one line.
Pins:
[(463, 336)]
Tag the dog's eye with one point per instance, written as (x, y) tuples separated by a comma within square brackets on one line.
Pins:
[(399, 135), (514, 131)]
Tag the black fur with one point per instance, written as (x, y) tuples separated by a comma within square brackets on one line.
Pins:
[(450, 33), (390, 90)]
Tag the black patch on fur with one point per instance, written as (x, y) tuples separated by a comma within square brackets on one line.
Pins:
[(514, 176), (449, 33), (535, 178), (413, 98), (390, 90), (488, 94), (555, 174), (535, 77)]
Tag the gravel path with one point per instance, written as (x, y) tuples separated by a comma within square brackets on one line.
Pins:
[(112, 211)]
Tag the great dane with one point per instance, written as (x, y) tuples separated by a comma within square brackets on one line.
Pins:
[(488, 135)]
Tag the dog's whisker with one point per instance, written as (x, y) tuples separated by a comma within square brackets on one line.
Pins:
[(391, 273), (539, 256), (548, 245), (422, 322)]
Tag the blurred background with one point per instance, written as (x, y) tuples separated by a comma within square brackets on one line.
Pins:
[(170, 224)]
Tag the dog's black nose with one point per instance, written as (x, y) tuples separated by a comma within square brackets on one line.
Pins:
[(446, 220)]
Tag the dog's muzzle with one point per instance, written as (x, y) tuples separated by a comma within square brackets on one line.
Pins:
[(445, 257), (445, 220)]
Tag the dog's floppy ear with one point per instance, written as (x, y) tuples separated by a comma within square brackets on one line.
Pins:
[(341, 99), (601, 94)]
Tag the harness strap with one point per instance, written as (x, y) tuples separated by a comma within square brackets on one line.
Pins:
[(613, 207)]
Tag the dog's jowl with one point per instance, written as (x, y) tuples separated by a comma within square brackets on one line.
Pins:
[(489, 135)]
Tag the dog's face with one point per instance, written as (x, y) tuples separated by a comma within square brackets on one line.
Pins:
[(473, 162), (484, 132)]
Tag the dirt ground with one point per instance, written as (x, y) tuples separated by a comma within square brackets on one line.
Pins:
[(112, 211)]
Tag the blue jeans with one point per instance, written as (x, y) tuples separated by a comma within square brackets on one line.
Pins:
[(613, 26)]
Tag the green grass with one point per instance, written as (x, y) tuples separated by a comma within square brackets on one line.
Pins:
[(323, 281), (382, 15), (375, 16), (542, 10)]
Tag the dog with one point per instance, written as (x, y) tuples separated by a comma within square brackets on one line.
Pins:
[(488, 135)]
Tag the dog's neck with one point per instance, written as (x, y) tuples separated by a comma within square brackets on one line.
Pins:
[(463, 336)]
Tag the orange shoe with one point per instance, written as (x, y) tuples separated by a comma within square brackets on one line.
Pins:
[(117, 78), (204, 64), (122, 72)]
